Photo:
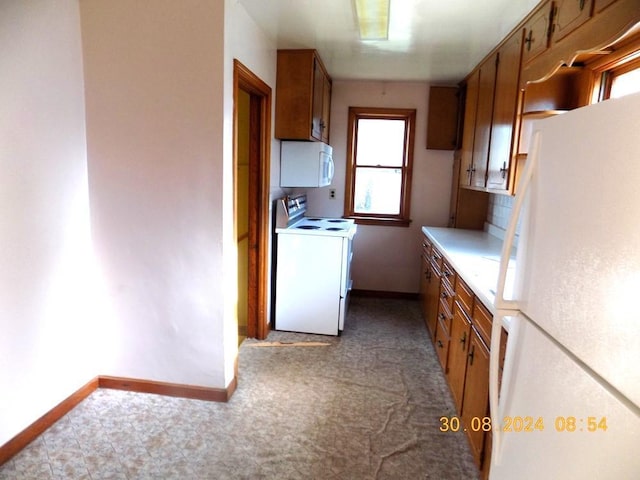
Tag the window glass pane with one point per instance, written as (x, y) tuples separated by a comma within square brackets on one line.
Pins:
[(380, 142), (377, 190), (625, 83)]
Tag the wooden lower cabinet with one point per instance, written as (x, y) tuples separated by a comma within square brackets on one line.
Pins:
[(442, 339), (486, 456), (424, 286), (430, 288), (458, 349), (460, 328), (443, 328), (475, 401), (433, 295)]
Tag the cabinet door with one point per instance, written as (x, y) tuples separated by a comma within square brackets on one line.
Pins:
[(458, 349), (303, 96), (475, 400), (504, 112), (442, 336), (483, 121), (442, 122), (326, 108), (536, 33), (602, 4), (432, 298), (317, 123), (569, 15), (469, 128), (424, 284)]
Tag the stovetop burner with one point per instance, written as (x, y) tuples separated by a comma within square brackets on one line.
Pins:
[(290, 218)]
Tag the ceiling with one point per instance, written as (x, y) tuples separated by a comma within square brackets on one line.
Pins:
[(438, 41)]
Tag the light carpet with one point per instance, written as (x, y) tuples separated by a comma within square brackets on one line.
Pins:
[(365, 405)]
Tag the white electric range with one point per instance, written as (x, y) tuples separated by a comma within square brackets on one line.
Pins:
[(313, 267)]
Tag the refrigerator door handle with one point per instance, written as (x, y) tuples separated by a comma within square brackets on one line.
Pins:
[(506, 307), (510, 233)]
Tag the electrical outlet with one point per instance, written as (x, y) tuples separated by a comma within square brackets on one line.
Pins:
[(332, 193)]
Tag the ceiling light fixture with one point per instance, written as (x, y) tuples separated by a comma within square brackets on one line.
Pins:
[(373, 19)]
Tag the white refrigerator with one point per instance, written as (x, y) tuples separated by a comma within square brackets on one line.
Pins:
[(569, 402)]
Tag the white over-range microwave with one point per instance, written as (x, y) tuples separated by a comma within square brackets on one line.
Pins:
[(305, 164)]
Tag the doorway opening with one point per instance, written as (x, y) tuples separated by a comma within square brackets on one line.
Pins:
[(252, 147)]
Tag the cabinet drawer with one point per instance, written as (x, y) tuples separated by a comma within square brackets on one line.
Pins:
[(435, 257), (444, 315), (448, 274), (446, 295), (426, 248), (482, 320), (442, 345), (464, 296)]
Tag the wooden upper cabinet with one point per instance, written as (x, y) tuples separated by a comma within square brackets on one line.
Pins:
[(602, 4), (483, 121), (569, 15), (321, 102), (303, 96), (504, 113), (536, 32), (468, 132), (442, 122)]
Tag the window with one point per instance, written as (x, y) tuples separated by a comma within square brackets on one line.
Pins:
[(617, 73), (379, 161), (624, 80)]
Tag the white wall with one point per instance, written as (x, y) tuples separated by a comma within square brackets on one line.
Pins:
[(154, 78), (159, 89), (159, 133), (49, 327), (247, 43), (388, 258)]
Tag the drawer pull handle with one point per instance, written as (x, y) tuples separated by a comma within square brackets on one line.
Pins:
[(440, 345), (442, 317)]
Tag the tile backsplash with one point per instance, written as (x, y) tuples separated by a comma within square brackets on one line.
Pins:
[(498, 215), (499, 210)]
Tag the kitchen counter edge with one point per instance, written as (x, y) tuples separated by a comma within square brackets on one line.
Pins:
[(474, 255)]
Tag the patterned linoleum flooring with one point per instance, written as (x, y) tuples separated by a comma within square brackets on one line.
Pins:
[(366, 406)]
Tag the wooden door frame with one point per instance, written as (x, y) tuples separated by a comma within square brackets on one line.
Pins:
[(259, 178)]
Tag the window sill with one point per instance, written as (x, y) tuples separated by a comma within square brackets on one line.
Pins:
[(381, 221)]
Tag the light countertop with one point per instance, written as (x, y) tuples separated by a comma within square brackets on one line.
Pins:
[(475, 256)]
